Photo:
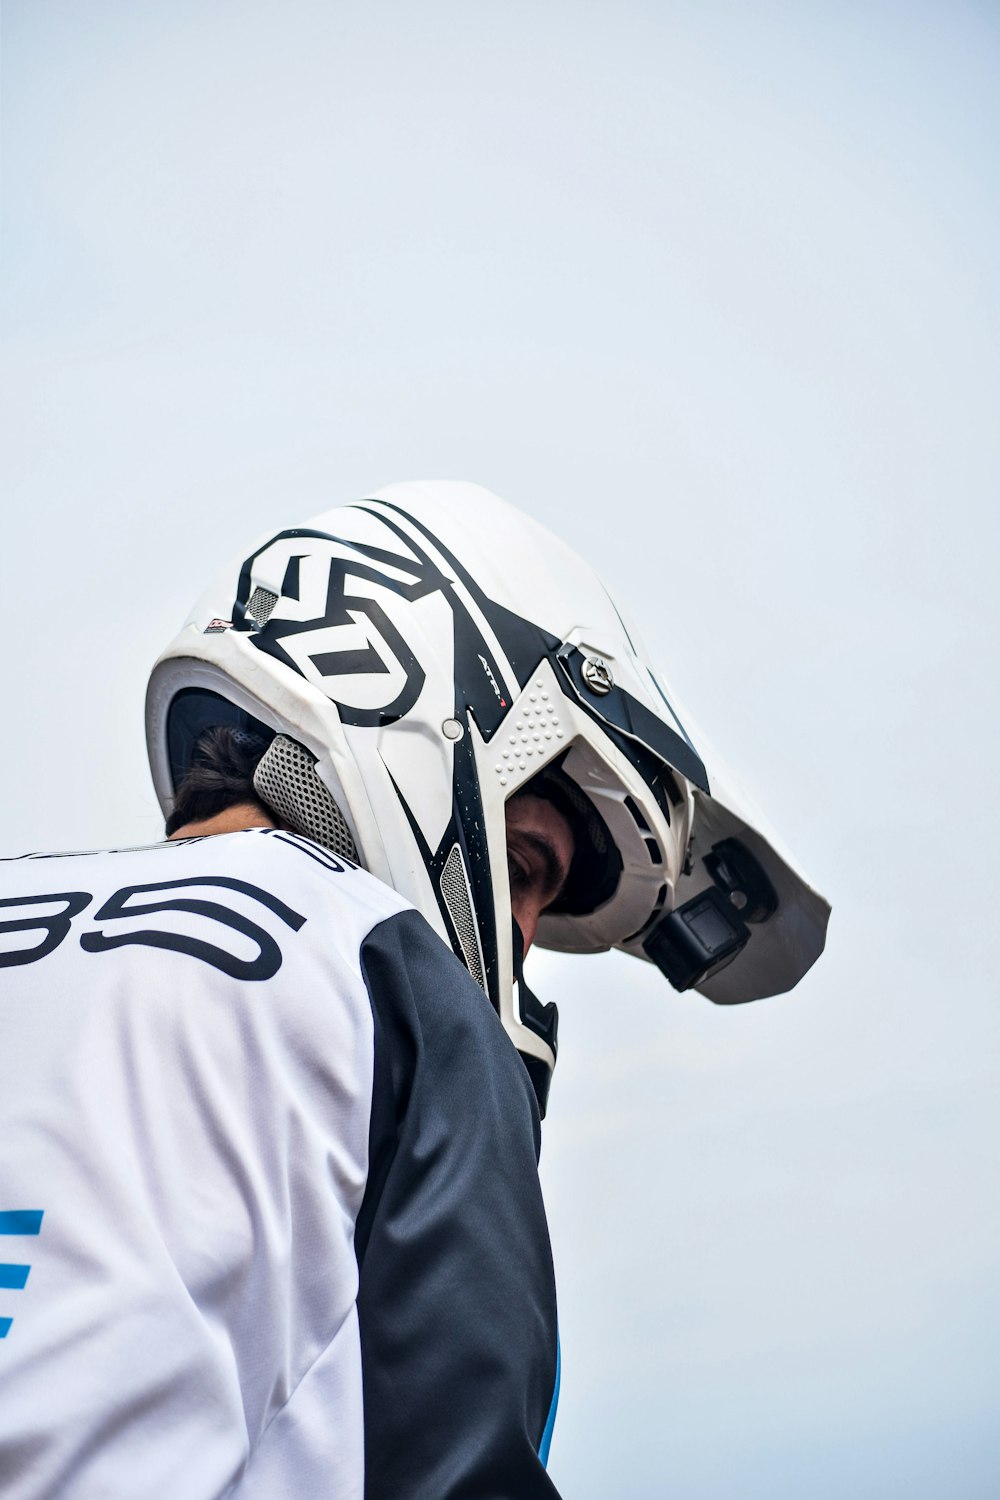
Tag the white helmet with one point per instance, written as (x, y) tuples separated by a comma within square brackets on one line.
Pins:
[(419, 657)]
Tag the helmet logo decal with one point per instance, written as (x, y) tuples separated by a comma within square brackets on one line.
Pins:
[(349, 646), (367, 669), (350, 663)]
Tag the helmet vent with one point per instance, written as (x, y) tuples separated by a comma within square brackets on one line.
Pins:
[(287, 780), (640, 821), (458, 900), (260, 605)]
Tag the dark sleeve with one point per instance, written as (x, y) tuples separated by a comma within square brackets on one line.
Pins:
[(457, 1296)]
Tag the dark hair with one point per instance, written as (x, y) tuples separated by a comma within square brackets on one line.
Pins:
[(220, 776)]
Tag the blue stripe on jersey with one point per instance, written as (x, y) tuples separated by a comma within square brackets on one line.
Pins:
[(545, 1444), (14, 1277), (21, 1221)]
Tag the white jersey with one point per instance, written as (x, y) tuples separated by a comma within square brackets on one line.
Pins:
[(269, 1215)]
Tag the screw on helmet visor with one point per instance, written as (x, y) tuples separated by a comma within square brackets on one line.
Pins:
[(618, 709)]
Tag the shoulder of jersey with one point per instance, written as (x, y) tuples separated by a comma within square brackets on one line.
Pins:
[(301, 859), (291, 857), (252, 854)]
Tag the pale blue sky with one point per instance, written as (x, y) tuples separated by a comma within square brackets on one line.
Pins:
[(711, 290)]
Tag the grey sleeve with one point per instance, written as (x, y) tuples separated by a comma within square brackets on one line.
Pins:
[(457, 1296)]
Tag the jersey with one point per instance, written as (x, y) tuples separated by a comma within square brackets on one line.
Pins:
[(270, 1220)]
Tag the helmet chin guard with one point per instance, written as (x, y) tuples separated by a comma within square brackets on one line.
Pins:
[(419, 657)]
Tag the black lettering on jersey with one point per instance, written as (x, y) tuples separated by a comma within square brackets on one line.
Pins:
[(55, 925), (264, 966), (317, 852)]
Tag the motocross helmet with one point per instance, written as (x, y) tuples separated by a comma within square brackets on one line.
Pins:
[(416, 659)]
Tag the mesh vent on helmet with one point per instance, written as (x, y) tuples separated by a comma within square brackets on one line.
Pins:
[(286, 780), (455, 890), (260, 604)]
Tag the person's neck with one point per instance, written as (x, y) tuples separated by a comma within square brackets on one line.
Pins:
[(231, 820)]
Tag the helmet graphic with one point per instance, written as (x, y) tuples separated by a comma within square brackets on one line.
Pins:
[(418, 658)]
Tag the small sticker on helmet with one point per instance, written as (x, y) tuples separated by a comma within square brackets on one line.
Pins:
[(493, 682), (215, 627)]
